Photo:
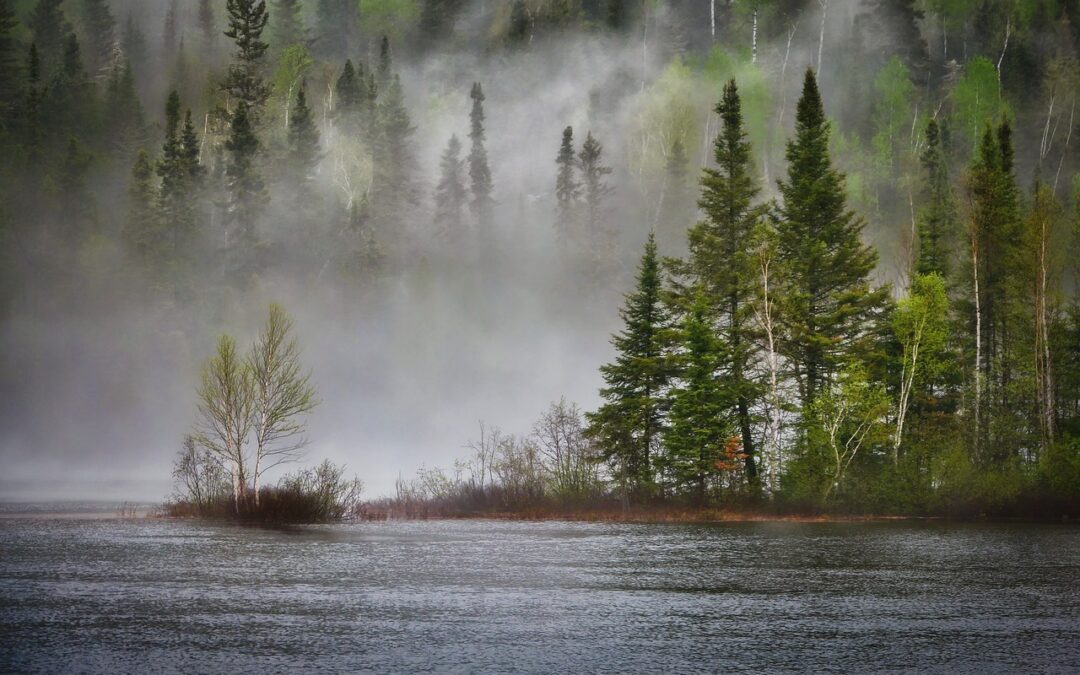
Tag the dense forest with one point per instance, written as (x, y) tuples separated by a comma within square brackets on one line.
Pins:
[(860, 220)]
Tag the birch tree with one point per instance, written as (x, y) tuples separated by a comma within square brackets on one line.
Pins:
[(282, 395), (225, 412)]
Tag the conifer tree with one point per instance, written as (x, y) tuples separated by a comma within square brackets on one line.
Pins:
[(245, 81), (700, 422), (206, 26), (33, 132), (567, 187), (247, 194), (628, 425), (348, 91), (134, 43), (827, 298), (450, 195), (479, 171), (722, 260), (392, 187), (179, 170), (100, 28), (672, 215), (123, 113), (141, 235), (385, 68), (69, 106), (937, 218), (288, 24), (170, 32), (304, 152)]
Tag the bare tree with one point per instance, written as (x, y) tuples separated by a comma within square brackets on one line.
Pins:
[(559, 436), (282, 394), (225, 405)]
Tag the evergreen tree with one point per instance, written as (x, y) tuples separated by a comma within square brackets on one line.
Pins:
[(304, 152), (722, 258), (33, 132), (385, 68), (672, 212), (288, 24), (49, 30), (479, 171), (700, 422), (392, 187), (179, 171), (437, 19), (206, 26), (170, 32), (100, 29), (567, 187), (247, 194), (827, 298), (450, 196), (520, 32), (348, 90), (595, 191), (69, 107), (123, 113), (937, 218), (141, 232), (245, 82), (628, 426), (134, 43)]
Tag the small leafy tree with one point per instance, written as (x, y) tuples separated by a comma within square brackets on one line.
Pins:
[(226, 401)]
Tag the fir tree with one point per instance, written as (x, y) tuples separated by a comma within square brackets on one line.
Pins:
[(627, 427), (392, 188), (288, 26), (385, 68), (304, 152), (479, 171), (100, 30), (722, 257), (450, 195), (179, 171), (827, 296), (700, 423), (937, 218), (245, 82), (247, 193), (348, 90), (567, 187)]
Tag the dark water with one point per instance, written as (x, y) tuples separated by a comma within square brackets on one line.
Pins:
[(136, 596)]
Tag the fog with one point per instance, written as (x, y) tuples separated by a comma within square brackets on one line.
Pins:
[(99, 392)]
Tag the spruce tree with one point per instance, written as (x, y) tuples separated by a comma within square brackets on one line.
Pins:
[(722, 259), (100, 30), (247, 194), (567, 188), (304, 152), (392, 187), (450, 195), (628, 425), (937, 218), (479, 171), (827, 299), (177, 168), (245, 81), (700, 422), (385, 68), (348, 92)]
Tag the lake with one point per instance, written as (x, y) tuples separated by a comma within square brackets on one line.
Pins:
[(479, 596)]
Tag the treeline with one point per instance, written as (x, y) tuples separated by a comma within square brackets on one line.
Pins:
[(766, 369)]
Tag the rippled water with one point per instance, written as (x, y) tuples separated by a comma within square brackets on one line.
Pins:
[(124, 596)]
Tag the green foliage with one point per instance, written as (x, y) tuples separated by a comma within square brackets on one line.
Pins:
[(892, 113), (977, 99), (392, 18), (245, 80)]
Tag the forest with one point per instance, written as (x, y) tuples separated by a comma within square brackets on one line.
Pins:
[(836, 245)]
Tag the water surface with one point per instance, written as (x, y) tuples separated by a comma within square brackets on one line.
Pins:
[(138, 595)]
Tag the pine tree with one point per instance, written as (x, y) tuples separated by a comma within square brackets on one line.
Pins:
[(179, 170), (100, 29), (245, 82), (141, 232), (479, 171), (385, 68), (348, 91), (722, 260), (827, 298), (304, 152), (49, 30), (288, 24), (937, 218), (628, 426), (450, 195), (700, 422), (567, 188), (247, 194), (595, 191), (392, 187)]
